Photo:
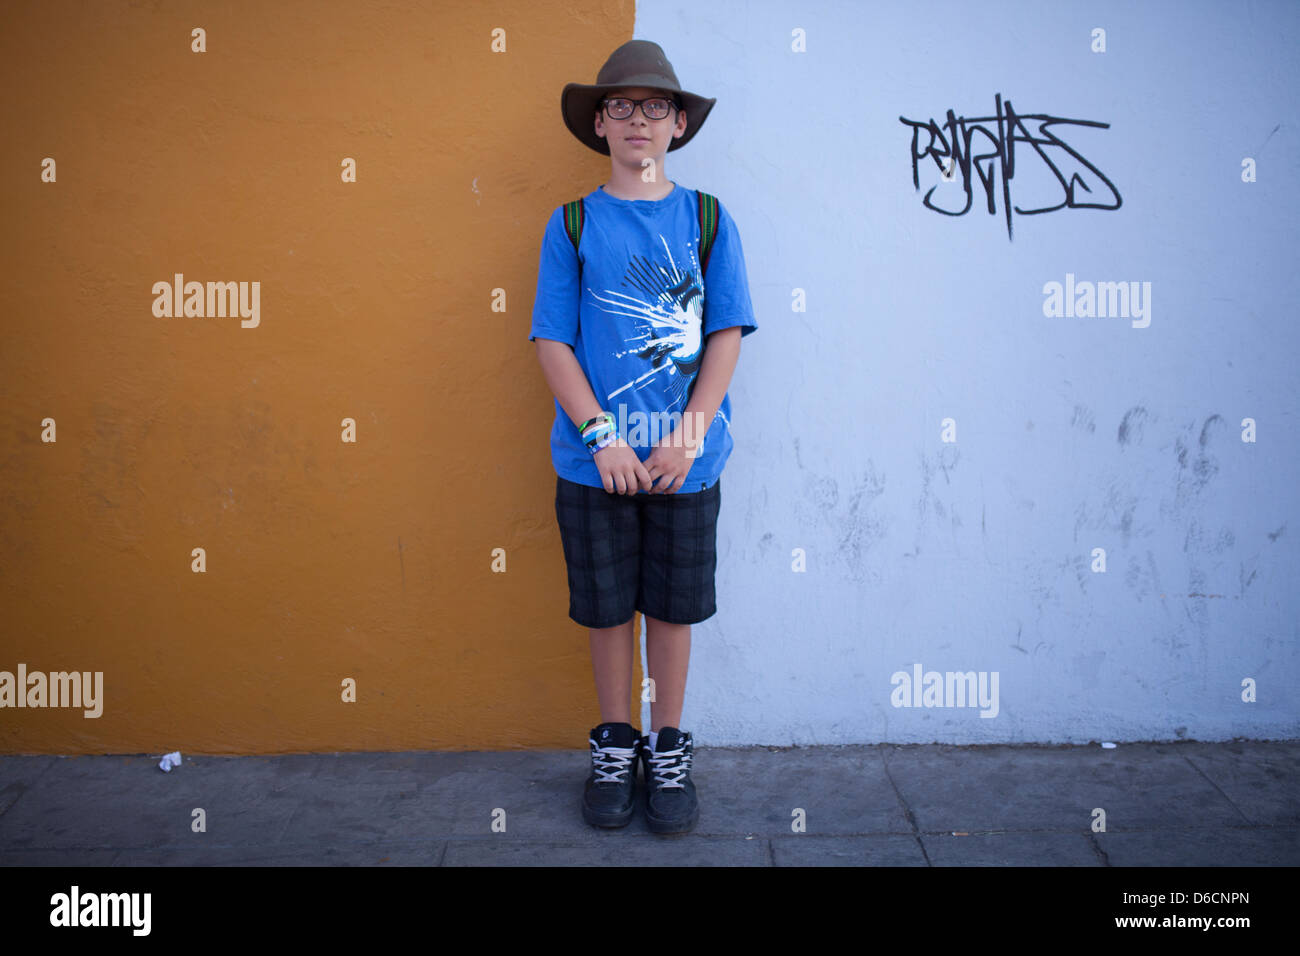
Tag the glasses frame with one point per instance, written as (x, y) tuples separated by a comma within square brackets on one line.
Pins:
[(604, 107)]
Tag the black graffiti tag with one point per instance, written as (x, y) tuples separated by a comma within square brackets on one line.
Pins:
[(950, 147)]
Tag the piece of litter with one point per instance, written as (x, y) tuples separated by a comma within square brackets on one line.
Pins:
[(1107, 745), (960, 833), (170, 760)]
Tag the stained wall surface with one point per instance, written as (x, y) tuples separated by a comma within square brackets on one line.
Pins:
[(1095, 507)]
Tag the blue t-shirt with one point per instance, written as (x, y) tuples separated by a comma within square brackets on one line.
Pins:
[(638, 325)]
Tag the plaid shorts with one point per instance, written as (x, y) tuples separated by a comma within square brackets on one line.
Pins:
[(652, 553)]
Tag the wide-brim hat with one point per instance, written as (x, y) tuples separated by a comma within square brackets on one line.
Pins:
[(635, 63)]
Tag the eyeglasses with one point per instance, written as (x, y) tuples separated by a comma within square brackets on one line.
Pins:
[(655, 108)]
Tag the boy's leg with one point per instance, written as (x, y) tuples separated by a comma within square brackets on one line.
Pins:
[(678, 561), (611, 663), (671, 804), (608, 798), (601, 534), (668, 652)]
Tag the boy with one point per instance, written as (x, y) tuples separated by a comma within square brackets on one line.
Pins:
[(639, 366)]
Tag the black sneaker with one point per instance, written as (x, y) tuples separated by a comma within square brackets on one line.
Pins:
[(670, 803), (608, 799)]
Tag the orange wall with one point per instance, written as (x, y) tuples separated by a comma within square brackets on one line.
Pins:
[(324, 560)]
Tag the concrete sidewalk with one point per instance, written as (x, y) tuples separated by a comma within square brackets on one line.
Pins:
[(1171, 804)]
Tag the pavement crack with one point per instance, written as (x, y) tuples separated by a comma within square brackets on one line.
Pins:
[(19, 788), (1248, 820), (907, 811), (1096, 848)]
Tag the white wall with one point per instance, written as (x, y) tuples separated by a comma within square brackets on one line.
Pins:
[(1072, 433)]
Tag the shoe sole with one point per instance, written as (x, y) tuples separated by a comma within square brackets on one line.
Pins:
[(658, 825), (611, 820)]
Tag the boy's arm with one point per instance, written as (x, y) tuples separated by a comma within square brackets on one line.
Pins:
[(567, 382), (721, 352)]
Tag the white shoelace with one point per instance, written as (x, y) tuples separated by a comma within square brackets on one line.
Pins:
[(616, 759), (674, 762)]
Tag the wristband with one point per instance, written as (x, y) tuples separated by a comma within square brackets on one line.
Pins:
[(604, 442), (599, 432), (601, 435), (599, 426), (601, 416)]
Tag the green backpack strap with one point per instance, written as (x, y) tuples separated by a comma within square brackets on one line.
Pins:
[(574, 215), (708, 210)]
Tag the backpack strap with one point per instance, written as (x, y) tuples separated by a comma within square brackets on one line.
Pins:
[(574, 216), (708, 211)]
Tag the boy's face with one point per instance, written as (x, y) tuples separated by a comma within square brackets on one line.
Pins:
[(633, 139)]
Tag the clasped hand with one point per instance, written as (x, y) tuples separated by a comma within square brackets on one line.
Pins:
[(663, 472)]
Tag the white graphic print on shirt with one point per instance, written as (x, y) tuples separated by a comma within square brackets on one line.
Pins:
[(668, 323)]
